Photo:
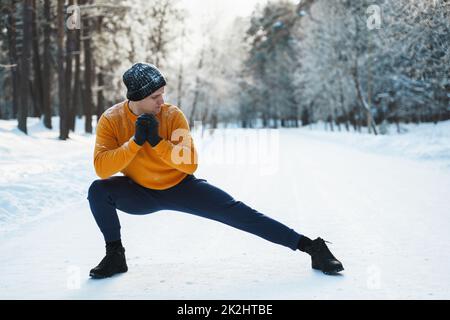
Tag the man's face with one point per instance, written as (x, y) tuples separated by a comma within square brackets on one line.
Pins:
[(152, 103)]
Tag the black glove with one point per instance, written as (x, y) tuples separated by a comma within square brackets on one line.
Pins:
[(142, 125), (153, 136)]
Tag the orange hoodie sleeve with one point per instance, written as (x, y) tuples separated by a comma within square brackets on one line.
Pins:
[(179, 152), (109, 157)]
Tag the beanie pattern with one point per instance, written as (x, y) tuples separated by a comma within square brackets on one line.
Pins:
[(141, 80)]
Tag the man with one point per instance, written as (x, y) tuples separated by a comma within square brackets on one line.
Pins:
[(149, 142)]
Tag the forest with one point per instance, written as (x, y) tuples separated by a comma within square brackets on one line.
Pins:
[(353, 65)]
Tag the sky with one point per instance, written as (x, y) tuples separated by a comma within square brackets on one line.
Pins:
[(227, 8), (222, 12), (205, 17), (215, 15)]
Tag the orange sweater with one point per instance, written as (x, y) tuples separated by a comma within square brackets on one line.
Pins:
[(160, 167)]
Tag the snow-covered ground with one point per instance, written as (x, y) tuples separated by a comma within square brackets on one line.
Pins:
[(382, 201)]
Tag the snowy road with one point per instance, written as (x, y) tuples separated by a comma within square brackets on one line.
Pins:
[(387, 217)]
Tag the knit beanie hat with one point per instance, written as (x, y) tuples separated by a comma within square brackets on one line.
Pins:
[(141, 80)]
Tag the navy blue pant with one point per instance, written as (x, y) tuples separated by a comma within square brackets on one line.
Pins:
[(191, 195)]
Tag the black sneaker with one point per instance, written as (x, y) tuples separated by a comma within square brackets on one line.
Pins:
[(322, 259), (114, 262)]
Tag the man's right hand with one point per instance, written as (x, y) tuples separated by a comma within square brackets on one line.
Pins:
[(142, 125)]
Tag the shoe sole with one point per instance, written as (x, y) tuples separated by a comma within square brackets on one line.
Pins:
[(334, 272), (329, 272), (97, 276)]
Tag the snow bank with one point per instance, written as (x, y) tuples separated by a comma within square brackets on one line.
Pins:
[(39, 173), (426, 141)]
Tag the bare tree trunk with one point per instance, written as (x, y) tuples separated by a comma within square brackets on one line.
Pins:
[(70, 48), (88, 101), (197, 92), (205, 117), (22, 111), (355, 74), (14, 61), (214, 119), (76, 86), (46, 80), (180, 85), (194, 107), (362, 101), (337, 120), (331, 120), (347, 127), (343, 108), (37, 82), (63, 128), (180, 70), (100, 80), (100, 96)]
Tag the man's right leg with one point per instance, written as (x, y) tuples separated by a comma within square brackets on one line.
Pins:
[(105, 197), (119, 192)]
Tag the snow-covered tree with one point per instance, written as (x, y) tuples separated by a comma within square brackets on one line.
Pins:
[(270, 62), (353, 72)]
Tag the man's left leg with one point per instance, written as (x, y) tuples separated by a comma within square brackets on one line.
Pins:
[(198, 197)]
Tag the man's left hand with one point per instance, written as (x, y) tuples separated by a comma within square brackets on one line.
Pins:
[(153, 136)]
